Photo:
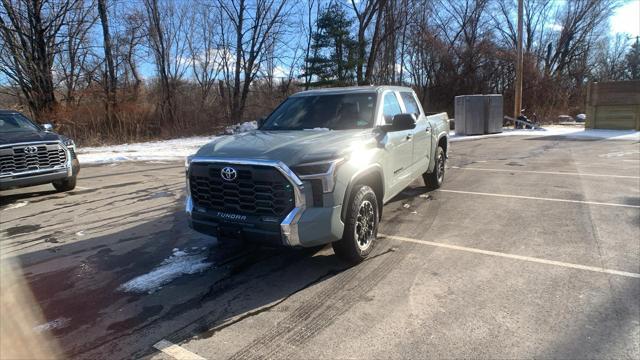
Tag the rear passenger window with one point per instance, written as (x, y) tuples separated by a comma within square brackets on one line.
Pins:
[(410, 103), (391, 107)]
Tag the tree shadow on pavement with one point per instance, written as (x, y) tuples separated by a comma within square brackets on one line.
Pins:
[(7, 199), (76, 286)]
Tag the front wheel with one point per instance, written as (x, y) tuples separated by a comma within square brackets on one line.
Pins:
[(66, 184), (434, 179), (361, 227)]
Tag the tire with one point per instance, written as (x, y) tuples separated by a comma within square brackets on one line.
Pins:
[(435, 179), (361, 226), (67, 184)]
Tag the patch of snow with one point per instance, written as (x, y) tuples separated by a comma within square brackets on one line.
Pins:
[(178, 264), (15, 205), (241, 128), (80, 233), (318, 129), (569, 132), (406, 206), (175, 149), (620, 154), (53, 324)]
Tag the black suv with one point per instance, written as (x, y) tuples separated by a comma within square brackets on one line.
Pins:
[(31, 154)]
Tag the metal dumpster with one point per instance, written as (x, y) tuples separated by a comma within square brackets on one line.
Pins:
[(478, 114)]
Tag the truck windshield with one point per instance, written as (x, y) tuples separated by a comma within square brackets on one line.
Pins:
[(335, 112), (16, 123)]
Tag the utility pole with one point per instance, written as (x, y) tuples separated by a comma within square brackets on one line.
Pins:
[(517, 103)]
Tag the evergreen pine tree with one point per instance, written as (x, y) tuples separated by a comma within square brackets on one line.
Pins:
[(333, 49)]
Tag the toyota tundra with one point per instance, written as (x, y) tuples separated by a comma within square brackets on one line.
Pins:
[(31, 154), (318, 169)]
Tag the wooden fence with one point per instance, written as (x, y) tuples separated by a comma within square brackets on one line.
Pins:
[(613, 105)]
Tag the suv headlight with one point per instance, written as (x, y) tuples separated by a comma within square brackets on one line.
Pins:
[(320, 170), (69, 143), (187, 162)]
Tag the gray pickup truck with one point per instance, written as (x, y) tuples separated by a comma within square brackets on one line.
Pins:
[(31, 154), (318, 169)]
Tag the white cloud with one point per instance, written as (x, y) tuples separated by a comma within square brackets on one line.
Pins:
[(626, 19)]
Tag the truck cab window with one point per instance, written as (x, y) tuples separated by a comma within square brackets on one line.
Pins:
[(391, 107), (410, 103)]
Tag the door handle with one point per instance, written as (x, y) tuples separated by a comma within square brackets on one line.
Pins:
[(409, 137), (428, 129)]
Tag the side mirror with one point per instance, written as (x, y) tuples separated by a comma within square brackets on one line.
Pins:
[(402, 122), (261, 122), (47, 127)]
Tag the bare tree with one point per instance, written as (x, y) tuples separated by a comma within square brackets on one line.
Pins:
[(167, 29), (205, 54), (366, 11), (74, 64), (129, 40), (111, 81), (252, 24), (29, 31), (580, 22)]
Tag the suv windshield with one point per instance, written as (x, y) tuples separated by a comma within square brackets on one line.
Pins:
[(335, 112), (16, 123)]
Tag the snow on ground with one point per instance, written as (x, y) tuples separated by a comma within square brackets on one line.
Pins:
[(181, 262), (565, 131), (53, 324), (177, 149), (16, 205), (154, 151)]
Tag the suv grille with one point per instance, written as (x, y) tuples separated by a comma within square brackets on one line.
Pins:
[(257, 190), (23, 158)]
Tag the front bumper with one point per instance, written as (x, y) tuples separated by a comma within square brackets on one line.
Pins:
[(32, 179), (303, 227)]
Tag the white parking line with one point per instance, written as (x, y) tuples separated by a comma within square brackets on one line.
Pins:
[(540, 198), (548, 172), (516, 257), (175, 351)]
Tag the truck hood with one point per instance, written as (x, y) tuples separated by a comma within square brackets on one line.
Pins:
[(7, 138), (291, 147)]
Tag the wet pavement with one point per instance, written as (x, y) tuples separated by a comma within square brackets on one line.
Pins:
[(506, 261)]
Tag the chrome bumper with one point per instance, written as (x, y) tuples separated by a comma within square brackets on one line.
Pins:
[(288, 226)]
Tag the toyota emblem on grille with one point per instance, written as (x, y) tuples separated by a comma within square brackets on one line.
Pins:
[(31, 149), (228, 173)]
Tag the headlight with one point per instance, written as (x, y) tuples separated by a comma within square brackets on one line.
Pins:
[(321, 170), (187, 162)]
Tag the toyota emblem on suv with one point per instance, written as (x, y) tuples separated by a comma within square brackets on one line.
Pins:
[(228, 173), (31, 149)]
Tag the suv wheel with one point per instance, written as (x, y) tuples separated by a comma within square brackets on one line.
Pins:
[(67, 184), (361, 226), (435, 179)]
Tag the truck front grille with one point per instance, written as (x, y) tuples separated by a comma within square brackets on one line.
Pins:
[(257, 190), (24, 158)]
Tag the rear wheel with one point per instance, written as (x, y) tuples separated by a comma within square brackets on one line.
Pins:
[(361, 227), (67, 184), (434, 179)]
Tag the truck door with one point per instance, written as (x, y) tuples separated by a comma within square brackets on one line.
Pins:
[(422, 132), (399, 144)]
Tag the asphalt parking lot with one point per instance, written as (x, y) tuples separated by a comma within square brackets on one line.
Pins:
[(531, 249)]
